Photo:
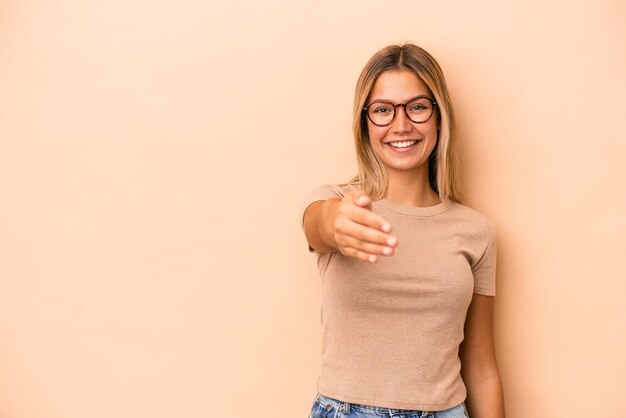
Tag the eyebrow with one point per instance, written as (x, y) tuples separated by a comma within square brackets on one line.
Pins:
[(421, 96)]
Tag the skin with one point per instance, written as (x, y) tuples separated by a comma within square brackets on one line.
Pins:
[(408, 171), (479, 368), (348, 225), (408, 185)]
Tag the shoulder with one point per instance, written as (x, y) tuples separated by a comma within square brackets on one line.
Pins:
[(474, 220), (329, 191), (321, 192)]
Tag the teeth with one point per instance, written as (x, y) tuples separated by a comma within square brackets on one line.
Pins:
[(402, 144)]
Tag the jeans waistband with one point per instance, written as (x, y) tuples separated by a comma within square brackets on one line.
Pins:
[(345, 407)]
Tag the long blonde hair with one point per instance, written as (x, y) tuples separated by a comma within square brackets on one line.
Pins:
[(443, 163)]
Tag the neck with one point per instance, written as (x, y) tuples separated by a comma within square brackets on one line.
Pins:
[(411, 189)]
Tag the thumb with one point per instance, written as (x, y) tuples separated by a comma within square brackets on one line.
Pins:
[(362, 199)]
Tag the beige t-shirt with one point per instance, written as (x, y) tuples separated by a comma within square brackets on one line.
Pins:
[(391, 330)]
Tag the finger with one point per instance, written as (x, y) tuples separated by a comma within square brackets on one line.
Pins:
[(353, 252), (367, 247), (360, 198), (355, 231), (369, 218)]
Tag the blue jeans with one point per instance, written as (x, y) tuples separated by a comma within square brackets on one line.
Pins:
[(324, 407)]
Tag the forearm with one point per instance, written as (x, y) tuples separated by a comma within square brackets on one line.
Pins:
[(318, 220), (485, 397)]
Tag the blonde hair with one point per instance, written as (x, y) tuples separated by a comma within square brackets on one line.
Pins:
[(443, 163)]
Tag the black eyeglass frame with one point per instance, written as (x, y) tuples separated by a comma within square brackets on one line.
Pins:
[(394, 106)]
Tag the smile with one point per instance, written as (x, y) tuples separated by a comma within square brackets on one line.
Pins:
[(402, 146)]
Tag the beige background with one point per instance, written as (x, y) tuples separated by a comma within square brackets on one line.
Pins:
[(152, 159)]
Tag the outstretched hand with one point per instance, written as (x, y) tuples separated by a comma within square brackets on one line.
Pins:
[(359, 232)]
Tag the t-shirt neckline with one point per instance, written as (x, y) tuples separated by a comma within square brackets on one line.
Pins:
[(416, 210)]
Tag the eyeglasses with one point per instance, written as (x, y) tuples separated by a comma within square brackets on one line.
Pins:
[(418, 109)]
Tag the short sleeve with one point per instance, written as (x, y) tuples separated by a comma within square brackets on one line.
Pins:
[(322, 192), (485, 270)]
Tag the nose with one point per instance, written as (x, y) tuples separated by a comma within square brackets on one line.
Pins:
[(401, 122)]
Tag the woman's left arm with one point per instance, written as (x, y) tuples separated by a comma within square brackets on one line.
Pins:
[(479, 369)]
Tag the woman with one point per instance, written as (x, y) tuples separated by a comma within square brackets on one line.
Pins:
[(408, 269)]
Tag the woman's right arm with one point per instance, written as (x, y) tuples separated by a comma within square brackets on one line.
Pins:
[(349, 226)]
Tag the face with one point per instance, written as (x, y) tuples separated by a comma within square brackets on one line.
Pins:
[(390, 142)]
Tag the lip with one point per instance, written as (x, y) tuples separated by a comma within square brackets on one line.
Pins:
[(402, 150)]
